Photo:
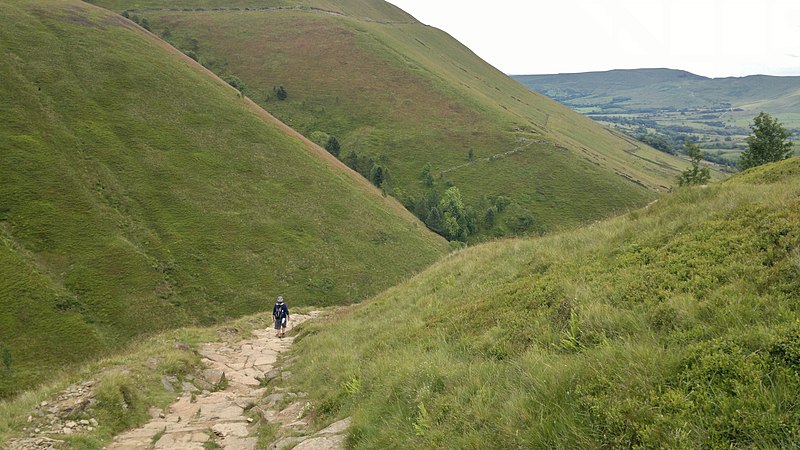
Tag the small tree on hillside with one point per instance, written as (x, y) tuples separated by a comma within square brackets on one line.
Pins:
[(351, 160), (427, 175), (767, 143), (193, 55), (454, 215), (234, 81), (696, 174), (332, 146), (281, 93), (7, 360), (378, 175)]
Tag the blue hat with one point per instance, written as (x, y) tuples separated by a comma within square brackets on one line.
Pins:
[(280, 298)]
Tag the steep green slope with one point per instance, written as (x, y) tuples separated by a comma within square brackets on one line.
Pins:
[(407, 95), (139, 192), (676, 326)]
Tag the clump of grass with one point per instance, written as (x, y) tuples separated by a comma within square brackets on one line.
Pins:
[(266, 434), (178, 362), (211, 444), (222, 384), (156, 437), (120, 403)]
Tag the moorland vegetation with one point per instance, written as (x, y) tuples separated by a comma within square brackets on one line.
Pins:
[(674, 326)]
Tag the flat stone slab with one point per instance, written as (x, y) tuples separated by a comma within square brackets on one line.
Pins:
[(290, 414), (338, 427), (336, 442), (234, 443), (231, 429)]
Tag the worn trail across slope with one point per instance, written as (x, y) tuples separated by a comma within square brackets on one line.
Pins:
[(225, 417)]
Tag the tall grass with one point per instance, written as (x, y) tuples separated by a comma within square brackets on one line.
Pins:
[(674, 326)]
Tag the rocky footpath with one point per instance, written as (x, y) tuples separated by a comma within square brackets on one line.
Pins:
[(70, 412), (221, 407)]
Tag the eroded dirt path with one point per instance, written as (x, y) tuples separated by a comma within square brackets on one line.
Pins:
[(229, 418)]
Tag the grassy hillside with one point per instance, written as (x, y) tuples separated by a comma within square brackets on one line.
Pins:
[(675, 326), (139, 192), (407, 95), (676, 104)]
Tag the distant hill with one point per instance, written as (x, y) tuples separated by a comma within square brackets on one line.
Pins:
[(139, 192), (600, 83), (401, 96), (670, 89), (676, 103), (674, 326)]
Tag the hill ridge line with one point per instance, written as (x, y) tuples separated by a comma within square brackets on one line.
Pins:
[(313, 9)]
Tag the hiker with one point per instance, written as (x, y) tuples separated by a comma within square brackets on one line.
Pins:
[(280, 316)]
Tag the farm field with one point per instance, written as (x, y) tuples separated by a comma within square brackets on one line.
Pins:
[(665, 107)]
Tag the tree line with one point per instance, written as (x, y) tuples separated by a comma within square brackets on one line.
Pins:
[(768, 142)]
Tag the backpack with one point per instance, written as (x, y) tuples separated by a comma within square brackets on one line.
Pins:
[(279, 311)]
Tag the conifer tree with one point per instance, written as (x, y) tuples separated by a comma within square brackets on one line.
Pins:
[(332, 146)]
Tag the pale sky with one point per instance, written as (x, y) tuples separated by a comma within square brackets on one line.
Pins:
[(714, 38)]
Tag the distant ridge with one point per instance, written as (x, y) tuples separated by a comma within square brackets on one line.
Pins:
[(665, 107), (622, 77), (664, 88)]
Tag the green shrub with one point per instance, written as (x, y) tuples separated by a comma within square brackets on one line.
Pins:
[(234, 81), (7, 359), (192, 54), (332, 146)]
